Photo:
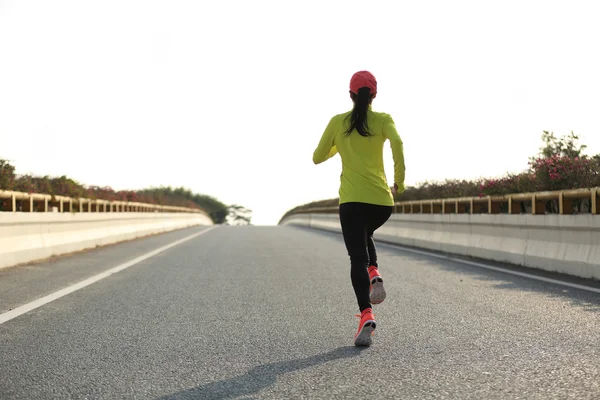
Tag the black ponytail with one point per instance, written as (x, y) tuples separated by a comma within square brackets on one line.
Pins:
[(358, 117)]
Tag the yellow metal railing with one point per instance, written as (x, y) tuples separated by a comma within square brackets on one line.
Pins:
[(36, 202), (511, 204)]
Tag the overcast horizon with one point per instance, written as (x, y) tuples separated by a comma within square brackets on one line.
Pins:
[(231, 99)]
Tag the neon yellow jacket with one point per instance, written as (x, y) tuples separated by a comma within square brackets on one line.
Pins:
[(363, 176)]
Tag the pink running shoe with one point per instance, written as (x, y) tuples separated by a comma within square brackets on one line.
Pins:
[(366, 328), (377, 291)]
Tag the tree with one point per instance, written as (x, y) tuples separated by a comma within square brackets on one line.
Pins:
[(238, 215), (7, 175), (566, 146)]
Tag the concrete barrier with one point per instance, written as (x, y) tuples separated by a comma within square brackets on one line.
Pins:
[(26, 237), (567, 244)]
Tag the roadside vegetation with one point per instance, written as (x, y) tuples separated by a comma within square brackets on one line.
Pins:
[(219, 212), (560, 164)]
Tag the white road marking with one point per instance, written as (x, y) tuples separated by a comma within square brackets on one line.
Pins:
[(490, 267), (7, 316)]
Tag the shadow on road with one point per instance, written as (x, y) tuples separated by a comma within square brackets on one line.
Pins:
[(260, 377), (588, 301)]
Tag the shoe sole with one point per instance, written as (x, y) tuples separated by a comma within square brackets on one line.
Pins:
[(377, 291), (365, 336)]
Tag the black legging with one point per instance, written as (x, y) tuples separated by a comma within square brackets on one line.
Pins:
[(359, 221)]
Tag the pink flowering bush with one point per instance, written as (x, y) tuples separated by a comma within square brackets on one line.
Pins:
[(512, 183), (560, 165), (562, 172)]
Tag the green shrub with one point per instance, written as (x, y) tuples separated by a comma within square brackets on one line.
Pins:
[(63, 186)]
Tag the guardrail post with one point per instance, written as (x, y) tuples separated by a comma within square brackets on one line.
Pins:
[(565, 206), (514, 207), (447, 207), (11, 201), (515, 203), (493, 207), (537, 206)]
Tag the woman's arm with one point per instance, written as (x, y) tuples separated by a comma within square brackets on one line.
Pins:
[(326, 149), (390, 132)]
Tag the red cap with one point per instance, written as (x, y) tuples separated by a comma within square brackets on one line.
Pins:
[(363, 79)]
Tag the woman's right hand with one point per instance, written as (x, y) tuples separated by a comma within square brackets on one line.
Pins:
[(395, 189)]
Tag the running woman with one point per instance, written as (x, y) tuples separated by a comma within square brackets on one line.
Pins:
[(366, 200)]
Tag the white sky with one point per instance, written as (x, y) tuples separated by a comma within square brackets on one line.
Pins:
[(230, 98)]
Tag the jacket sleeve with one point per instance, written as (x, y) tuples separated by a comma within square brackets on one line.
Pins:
[(326, 148), (390, 132)]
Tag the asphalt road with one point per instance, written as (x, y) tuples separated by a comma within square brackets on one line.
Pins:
[(268, 313)]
